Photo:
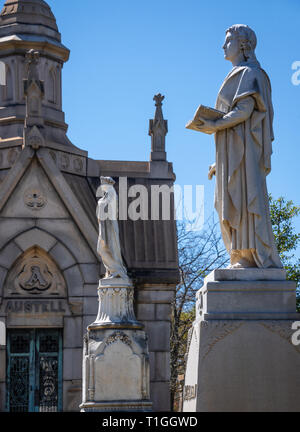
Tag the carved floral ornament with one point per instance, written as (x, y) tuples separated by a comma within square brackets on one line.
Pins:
[(118, 336), (35, 274), (35, 199)]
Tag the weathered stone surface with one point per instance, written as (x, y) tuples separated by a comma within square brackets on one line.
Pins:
[(110, 353), (247, 274), (72, 367), (69, 235), (163, 312), (74, 281), (242, 366), (73, 332), (158, 334), (162, 366), (245, 360), (9, 254), (160, 396), (62, 256), (90, 306), (155, 296), (35, 237), (91, 290), (11, 228), (87, 320), (72, 395), (90, 273), (41, 320), (35, 196), (146, 311), (246, 297), (76, 306), (3, 273), (152, 365)]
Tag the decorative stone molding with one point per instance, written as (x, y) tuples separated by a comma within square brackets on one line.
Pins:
[(118, 336), (34, 274), (8, 156), (70, 163), (116, 371), (35, 199), (216, 331), (283, 329), (12, 156), (115, 305)]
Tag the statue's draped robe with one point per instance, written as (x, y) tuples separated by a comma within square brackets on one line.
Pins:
[(243, 160), (109, 241)]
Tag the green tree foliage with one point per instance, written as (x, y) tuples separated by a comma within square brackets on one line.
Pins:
[(283, 213)]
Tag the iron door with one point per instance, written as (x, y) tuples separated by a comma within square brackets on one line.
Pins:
[(34, 370)]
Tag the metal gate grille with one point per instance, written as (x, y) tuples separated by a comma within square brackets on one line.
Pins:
[(34, 372)]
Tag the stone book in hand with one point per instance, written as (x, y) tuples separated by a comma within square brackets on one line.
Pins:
[(208, 114)]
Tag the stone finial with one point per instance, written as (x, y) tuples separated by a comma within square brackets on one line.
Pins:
[(158, 129), (34, 94)]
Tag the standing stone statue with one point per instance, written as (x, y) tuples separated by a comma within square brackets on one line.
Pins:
[(116, 373), (243, 137), (109, 241)]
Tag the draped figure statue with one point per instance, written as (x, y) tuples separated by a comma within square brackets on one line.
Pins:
[(243, 138), (109, 241)]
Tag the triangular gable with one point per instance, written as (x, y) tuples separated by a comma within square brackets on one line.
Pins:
[(60, 185), (69, 198), (35, 197)]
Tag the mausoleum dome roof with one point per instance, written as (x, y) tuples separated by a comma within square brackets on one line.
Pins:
[(28, 17)]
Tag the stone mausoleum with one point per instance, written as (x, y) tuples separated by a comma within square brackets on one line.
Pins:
[(49, 266)]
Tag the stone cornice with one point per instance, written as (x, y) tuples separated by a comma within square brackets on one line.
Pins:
[(19, 44)]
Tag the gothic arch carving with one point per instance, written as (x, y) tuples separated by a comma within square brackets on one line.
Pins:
[(7, 89), (57, 251), (35, 274), (52, 85)]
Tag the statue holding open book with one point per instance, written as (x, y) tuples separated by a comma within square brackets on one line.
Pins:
[(242, 124)]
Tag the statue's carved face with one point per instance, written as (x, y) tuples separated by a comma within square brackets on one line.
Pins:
[(231, 47)]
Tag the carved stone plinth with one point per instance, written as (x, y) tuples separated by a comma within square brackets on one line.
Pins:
[(115, 305), (116, 373), (241, 355)]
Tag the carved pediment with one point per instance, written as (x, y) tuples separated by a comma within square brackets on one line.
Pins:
[(35, 274)]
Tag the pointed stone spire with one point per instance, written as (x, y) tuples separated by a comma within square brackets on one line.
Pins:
[(158, 129)]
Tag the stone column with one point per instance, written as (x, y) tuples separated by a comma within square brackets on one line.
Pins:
[(116, 360), (241, 355)]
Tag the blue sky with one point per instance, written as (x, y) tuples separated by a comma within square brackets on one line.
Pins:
[(124, 52)]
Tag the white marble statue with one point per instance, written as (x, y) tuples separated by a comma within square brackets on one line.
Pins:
[(243, 138), (109, 241)]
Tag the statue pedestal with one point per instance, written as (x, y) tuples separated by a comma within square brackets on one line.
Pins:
[(240, 355), (116, 373)]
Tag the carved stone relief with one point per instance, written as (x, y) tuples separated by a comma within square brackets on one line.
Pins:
[(8, 157), (35, 199), (35, 274), (69, 162)]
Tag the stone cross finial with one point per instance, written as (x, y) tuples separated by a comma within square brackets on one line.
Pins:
[(158, 129)]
